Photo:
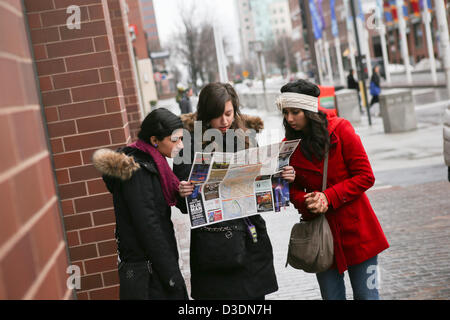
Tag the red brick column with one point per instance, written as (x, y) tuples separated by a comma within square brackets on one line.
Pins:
[(85, 110), (124, 51), (33, 253)]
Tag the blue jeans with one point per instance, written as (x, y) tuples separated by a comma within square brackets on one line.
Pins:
[(363, 278)]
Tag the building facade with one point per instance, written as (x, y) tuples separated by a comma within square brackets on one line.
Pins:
[(68, 88), (415, 31), (262, 20), (150, 26)]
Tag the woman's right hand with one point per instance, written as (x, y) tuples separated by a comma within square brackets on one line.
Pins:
[(316, 202), (186, 188)]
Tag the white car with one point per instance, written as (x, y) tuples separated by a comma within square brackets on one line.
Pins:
[(447, 139)]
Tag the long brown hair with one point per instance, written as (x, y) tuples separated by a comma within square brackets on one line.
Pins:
[(211, 104)]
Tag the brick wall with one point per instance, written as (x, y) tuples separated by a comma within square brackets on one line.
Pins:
[(124, 51), (33, 254), (82, 92)]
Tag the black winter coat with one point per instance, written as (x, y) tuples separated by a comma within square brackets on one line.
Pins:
[(352, 83), (144, 230), (255, 279)]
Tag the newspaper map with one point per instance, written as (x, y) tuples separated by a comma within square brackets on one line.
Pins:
[(236, 185)]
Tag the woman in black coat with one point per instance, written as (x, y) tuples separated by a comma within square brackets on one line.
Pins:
[(143, 188), (222, 267)]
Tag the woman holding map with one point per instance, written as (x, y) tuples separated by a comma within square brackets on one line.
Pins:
[(357, 234), (231, 259)]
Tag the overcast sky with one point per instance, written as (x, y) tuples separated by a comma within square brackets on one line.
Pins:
[(221, 11)]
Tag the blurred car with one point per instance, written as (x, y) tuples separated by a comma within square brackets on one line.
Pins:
[(447, 139)]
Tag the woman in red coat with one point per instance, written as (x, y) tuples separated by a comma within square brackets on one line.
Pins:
[(357, 234)]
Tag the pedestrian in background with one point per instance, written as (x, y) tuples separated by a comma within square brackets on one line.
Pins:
[(353, 84), (357, 234), (231, 259), (144, 188), (185, 102), (375, 88)]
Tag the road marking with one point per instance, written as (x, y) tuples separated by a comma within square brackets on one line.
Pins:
[(381, 187)]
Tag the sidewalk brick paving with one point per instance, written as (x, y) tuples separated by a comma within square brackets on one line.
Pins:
[(416, 221)]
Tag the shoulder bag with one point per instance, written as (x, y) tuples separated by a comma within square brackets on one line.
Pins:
[(311, 243)]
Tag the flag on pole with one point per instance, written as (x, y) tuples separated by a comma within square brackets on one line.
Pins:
[(421, 4), (317, 24), (322, 19), (360, 11), (393, 10), (387, 13), (405, 11), (415, 7), (334, 25)]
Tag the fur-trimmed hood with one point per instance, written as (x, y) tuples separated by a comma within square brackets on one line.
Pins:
[(114, 164), (250, 122)]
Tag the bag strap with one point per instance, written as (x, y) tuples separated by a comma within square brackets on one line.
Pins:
[(325, 172), (324, 179)]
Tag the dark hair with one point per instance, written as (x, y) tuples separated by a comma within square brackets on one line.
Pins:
[(159, 123), (211, 104), (316, 139)]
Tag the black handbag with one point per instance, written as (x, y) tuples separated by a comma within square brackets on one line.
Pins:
[(218, 248)]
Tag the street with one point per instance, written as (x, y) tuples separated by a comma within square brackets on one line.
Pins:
[(411, 198)]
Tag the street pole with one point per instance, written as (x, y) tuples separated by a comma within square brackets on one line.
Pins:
[(263, 77), (286, 57), (350, 37), (337, 44), (427, 21), (382, 32), (221, 63), (444, 39), (328, 61), (321, 60), (403, 40), (312, 48), (384, 52), (360, 66)]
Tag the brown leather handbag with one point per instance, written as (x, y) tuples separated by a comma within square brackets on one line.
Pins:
[(311, 243)]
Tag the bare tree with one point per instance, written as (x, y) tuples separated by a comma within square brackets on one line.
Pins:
[(185, 45), (281, 50)]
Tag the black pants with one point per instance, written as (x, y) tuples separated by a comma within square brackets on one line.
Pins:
[(374, 100)]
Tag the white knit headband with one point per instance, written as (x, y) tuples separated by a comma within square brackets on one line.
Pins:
[(297, 100)]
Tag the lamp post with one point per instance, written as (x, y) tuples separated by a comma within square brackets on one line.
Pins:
[(257, 46), (359, 61)]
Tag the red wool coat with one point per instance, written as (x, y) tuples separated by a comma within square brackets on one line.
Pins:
[(357, 234)]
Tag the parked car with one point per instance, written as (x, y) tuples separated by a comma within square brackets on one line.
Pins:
[(447, 139)]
